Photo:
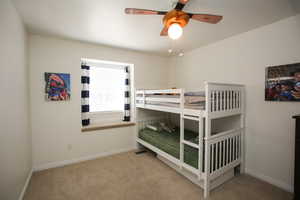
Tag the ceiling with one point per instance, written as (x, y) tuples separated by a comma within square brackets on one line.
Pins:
[(104, 22)]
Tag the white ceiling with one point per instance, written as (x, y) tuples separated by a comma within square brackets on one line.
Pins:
[(104, 22)]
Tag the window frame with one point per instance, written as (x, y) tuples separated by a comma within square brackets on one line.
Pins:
[(108, 117)]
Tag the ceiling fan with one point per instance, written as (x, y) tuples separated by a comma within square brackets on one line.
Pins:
[(175, 19)]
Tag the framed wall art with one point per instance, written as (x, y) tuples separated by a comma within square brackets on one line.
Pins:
[(283, 83), (58, 86)]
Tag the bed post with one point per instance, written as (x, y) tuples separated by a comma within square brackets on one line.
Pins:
[(200, 150), (137, 145), (181, 127), (206, 139), (139, 148), (242, 166)]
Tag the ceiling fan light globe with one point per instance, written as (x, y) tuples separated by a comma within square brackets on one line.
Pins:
[(175, 31)]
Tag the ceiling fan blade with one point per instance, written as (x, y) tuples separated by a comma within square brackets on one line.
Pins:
[(137, 11), (164, 31), (180, 4), (212, 19)]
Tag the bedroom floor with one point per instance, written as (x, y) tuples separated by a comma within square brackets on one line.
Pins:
[(128, 176)]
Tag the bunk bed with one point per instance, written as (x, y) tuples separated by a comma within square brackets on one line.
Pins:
[(208, 159)]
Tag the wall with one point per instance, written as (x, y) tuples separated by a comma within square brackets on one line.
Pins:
[(242, 59), (15, 139), (56, 126)]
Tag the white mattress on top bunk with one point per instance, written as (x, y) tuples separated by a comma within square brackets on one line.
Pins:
[(175, 105), (193, 100)]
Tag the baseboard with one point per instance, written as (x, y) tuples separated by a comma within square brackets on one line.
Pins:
[(268, 179), (25, 185), (77, 160)]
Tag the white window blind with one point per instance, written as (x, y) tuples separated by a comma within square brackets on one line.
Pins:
[(106, 89)]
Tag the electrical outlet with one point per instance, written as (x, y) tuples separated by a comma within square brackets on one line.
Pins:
[(70, 147)]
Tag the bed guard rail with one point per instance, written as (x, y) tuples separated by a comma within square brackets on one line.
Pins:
[(224, 99), (224, 151)]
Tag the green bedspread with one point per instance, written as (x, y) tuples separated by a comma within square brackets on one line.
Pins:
[(170, 143)]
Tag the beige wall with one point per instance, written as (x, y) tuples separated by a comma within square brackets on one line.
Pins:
[(56, 126), (242, 59), (15, 139)]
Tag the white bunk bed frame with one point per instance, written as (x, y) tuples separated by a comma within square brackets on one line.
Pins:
[(222, 100)]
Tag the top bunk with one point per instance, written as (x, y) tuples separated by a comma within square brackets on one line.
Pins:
[(216, 100)]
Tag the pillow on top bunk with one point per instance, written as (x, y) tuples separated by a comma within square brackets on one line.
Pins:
[(194, 97), (201, 94)]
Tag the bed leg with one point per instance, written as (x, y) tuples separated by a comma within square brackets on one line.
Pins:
[(206, 187), (242, 165), (242, 168), (140, 149), (140, 152)]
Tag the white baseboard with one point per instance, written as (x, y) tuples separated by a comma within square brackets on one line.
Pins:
[(25, 185), (77, 160), (268, 179)]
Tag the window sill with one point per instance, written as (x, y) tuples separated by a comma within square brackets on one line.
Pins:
[(96, 127)]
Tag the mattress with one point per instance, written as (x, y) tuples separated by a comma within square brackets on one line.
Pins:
[(170, 143), (193, 100), (195, 106)]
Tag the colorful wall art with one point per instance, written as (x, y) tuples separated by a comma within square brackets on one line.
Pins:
[(58, 86), (283, 83)]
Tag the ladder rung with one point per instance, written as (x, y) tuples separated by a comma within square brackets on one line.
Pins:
[(190, 144), (191, 118)]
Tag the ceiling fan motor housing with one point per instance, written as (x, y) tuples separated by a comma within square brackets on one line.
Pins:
[(176, 16)]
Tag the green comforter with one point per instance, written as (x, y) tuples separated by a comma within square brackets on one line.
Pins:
[(170, 143)]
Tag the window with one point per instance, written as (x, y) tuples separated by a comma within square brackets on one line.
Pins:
[(105, 94), (106, 88)]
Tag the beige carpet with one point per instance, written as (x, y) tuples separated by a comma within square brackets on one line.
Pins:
[(127, 176)]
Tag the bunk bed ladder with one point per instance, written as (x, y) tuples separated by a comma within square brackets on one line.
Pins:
[(198, 146), (184, 142)]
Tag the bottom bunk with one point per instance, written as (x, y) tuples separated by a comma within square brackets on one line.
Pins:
[(224, 150), (190, 175), (170, 143)]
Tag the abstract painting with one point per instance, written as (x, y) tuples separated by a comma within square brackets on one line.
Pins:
[(58, 86)]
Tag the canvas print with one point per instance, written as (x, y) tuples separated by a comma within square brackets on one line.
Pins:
[(58, 86), (283, 83)]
